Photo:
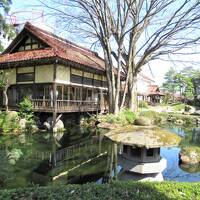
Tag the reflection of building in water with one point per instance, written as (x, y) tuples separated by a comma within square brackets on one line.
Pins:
[(140, 153)]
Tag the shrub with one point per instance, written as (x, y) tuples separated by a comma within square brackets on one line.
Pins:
[(9, 122), (179, 107), (26, 109), (113, 191), (143, 104), (155, 117), (124, 117)]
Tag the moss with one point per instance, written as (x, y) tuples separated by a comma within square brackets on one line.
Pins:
[(167, 137), (143, 136)]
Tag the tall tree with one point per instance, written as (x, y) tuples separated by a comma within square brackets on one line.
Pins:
[(133, 32), (6, 30), (4, 85), (180, 82)]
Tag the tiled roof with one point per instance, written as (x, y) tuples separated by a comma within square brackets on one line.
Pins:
[(154, 90), (27, 55), (57, 47)]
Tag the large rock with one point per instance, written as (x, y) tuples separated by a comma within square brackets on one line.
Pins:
[(197, 112), (58, 126), (12, 115), (192, 110), (22, 123), (190, 156), (143, 121)]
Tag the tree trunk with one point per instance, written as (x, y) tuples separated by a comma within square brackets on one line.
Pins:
[(6, 97), (132, 94)]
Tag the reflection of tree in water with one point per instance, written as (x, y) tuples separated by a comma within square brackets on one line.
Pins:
[(196, 136), (6, 172)]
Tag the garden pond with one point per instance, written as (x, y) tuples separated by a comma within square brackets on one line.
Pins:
[(77, 156)]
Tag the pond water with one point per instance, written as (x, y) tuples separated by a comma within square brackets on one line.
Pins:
[(175, 171), (75, 156)]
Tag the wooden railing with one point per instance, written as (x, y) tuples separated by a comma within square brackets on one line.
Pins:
[(65, 105)]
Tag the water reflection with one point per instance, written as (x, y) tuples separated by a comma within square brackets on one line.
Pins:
[(175, 170), (77, 157)]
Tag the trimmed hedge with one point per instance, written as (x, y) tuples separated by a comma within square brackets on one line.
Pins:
[(113, 191)]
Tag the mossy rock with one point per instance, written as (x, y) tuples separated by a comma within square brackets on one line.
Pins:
[(143, 121), (190, 155)]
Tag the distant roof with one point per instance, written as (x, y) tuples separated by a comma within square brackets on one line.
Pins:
[(57, 47), (144, 137), (154, 90)]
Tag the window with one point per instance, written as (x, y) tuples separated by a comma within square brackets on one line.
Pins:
[(150, 152), (76, 79), (125, 149), (25, 77), (28, 43), (105, 84), (89, 96), (87, 81), (136, 152), (97, 83), (84, 94), (66, 93), (59, 90)]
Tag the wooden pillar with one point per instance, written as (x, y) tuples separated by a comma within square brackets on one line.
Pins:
[(54, 94), (54, 104), (68, 93), (101, 100)]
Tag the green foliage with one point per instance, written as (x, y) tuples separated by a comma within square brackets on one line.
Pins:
[(187, 119), (179, 107), (113, 191), (180, 82), (26, 109), (14, 155), (170, 85), (124, 117), (155, 117), (6, 172), (9, 123), (143, 104), (3, 79), (6, 30)]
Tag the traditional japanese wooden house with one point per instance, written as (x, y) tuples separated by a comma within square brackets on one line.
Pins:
[(155, 96), (56, 74)]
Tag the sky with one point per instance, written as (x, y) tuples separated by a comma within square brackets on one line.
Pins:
[(22, 11)]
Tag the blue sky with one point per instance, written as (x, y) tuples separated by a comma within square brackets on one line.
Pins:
[(23, 10)]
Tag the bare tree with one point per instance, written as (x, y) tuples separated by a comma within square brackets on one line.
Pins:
[(133, 32)]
